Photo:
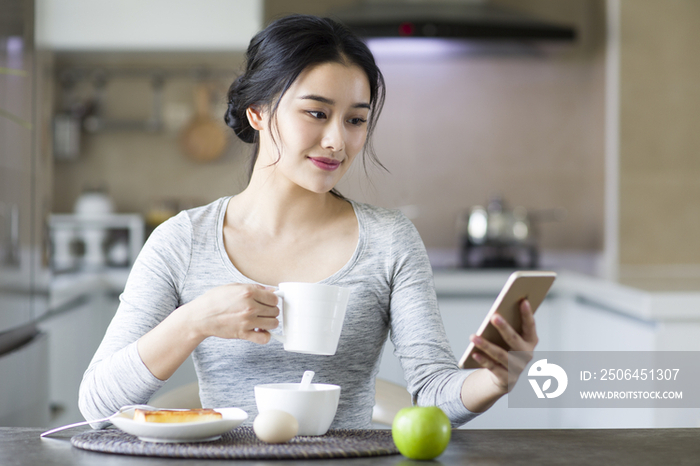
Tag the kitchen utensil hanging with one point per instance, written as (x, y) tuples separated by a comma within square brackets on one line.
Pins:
[(203, 139), (96, 121)]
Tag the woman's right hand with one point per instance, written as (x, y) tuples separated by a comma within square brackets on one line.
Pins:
[(230, 311), (240, 311)]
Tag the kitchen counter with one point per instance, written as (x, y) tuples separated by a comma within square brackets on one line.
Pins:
[(68, 288), (633, 302), (637, 303), (581, 313), (638, 447)]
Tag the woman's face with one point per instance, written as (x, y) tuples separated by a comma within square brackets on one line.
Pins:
[(320, 127)]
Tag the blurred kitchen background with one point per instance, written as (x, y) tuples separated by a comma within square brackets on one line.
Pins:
[(575, 151)]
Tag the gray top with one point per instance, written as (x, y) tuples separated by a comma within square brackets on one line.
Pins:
[(391, 286)]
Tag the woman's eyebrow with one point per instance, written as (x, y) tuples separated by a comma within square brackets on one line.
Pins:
[(328, 101)]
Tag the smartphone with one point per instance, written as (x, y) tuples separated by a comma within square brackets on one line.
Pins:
[(530, 285)]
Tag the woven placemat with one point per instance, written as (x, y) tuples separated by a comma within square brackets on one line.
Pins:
[(241, 443)]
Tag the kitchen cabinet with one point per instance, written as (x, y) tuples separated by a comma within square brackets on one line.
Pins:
[(461, 316), (580, 314), (23, 384), (156, 25), (588, 326), (585, 325), (23, 350), (74, 334), (83, 305), (16, 159)]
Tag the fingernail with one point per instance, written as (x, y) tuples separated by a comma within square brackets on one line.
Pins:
[(498, 319)]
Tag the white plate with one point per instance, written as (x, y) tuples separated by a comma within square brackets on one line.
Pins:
[(202, 431)]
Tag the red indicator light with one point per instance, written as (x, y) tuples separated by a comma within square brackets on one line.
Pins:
[(406, 29)]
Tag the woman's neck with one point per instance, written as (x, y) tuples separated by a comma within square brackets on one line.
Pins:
[(271, 204)]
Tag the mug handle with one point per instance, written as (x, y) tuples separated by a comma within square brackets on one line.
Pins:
[(280, 338)]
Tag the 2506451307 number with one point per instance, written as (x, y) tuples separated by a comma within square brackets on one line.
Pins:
[(639, 374)]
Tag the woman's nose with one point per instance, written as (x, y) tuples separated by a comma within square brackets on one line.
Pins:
[(334, 137)]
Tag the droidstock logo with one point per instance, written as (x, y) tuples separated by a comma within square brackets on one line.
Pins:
[(544, 369)]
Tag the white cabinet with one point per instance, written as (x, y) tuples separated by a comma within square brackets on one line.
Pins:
[(462, 316), (23, 385), (74, 335), (579, 314), (587, 326), (153, 25)]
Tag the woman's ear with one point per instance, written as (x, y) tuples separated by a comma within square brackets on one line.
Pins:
[(255, 117)]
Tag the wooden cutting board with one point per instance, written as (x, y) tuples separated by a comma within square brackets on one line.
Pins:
[(204, 138)]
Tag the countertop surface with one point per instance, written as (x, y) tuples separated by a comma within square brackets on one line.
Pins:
[(637, 303), (620, 447)]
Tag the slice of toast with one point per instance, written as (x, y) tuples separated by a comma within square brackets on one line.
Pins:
[(168, 415)]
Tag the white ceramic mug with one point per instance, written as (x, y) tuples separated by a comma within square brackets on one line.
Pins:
[(312, 316)]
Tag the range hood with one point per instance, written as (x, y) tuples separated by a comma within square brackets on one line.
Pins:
[(481, 20)]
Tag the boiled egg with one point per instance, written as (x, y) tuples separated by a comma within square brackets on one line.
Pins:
[(275, 426)]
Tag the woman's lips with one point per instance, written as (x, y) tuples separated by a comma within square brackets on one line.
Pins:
[(325, 164)]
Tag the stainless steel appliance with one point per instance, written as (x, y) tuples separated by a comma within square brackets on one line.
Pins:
[(480, 19), (23, 349), (496, 236), (94, 242)]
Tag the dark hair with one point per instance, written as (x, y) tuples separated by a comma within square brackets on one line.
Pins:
[(280, 52)]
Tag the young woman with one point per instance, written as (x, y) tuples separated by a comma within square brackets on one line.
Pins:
[(203, 283)]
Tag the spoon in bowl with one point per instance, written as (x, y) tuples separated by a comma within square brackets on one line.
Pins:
[(306, 380)]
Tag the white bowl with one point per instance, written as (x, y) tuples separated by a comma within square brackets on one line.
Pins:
[(93, 203), (314, 408)]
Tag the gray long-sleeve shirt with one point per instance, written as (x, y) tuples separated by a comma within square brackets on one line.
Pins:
[(392, 292)]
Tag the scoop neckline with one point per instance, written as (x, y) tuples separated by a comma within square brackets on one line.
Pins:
[(335, 277)]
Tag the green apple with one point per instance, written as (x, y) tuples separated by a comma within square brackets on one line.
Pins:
[(421, 433)]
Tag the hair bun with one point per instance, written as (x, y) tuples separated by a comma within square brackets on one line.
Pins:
[(235, 117)]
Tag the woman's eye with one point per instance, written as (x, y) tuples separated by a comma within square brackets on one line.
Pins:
[(316, 114), (357, 121)]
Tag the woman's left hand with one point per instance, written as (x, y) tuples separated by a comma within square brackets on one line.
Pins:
[(497, 360)]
